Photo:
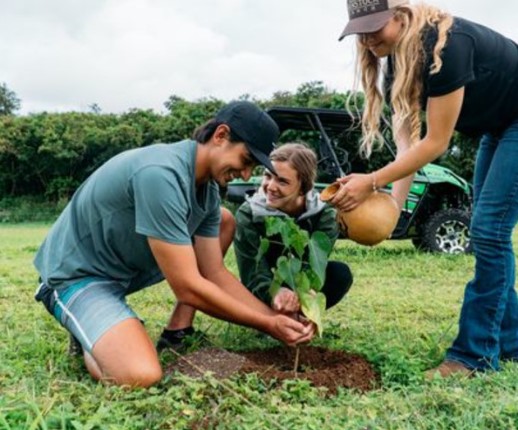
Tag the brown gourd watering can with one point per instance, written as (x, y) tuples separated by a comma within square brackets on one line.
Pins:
[(369, 223)]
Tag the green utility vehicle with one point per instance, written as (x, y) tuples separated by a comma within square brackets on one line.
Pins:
[(437, 213)]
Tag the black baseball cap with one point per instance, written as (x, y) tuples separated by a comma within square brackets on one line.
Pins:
[(254, 126)]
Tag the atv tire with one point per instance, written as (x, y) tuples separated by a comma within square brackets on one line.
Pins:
[(446, 231)]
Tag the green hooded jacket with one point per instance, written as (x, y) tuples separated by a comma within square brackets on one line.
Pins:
[(251, 228)]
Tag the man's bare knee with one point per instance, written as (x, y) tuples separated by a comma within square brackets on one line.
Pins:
[(126, 356), (143, 376)]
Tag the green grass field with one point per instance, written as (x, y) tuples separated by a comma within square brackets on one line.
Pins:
[(401, 314)]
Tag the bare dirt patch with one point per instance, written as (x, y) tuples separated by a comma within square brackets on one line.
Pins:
[(323, 367)]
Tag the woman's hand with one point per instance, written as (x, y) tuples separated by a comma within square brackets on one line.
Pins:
[(354, 189), (286, 301)]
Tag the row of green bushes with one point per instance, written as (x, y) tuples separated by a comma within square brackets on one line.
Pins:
[(50, 154), (30, 209), (45, 156)]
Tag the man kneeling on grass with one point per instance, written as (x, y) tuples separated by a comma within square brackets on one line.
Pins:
[(145, 215)]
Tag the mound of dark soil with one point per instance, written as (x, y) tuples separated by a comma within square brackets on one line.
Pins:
[(323, 367)]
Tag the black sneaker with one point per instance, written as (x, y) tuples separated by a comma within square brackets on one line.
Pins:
[(75, 349), (180, 340)]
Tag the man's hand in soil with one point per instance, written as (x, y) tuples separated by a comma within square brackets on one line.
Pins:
[(291, 331), (286, 301)]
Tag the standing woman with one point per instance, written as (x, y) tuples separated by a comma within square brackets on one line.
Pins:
[(289, 193), (465, 77)]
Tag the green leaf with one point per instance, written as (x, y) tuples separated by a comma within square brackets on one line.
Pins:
[(274, 225), (288, 269), (286, 232), (263, 249), (313, 306), (292, 236), (302, 282), (297, 239), (276, 284), (315, 282), (319, 248)]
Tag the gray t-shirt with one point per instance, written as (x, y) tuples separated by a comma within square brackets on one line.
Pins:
[(140, 193)]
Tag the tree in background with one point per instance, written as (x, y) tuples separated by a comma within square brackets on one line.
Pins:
[(185, 115), (9, 101)]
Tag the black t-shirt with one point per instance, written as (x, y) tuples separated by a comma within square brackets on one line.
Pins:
[(485, 63)]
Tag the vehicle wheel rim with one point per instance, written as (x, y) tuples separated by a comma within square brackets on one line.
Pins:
[(452, 237)]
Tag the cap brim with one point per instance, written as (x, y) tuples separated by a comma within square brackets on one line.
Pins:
[(262, 159), (367, 23)]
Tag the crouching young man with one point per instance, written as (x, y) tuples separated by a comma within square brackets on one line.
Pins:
[(145, 215)]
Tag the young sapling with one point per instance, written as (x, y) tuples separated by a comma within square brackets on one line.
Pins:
[(301, 266)]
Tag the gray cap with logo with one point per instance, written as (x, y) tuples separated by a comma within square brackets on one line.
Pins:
[(369, 16)]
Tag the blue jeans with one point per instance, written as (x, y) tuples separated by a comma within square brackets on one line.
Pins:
[(488, 325)]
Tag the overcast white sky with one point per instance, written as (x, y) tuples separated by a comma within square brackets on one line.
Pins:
[(62, 55)]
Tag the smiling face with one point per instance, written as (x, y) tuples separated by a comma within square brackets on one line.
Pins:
[(283, 192), (382, 42), (224, 160), (231, 161)]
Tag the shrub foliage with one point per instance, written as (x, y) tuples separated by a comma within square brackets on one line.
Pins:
[(50, 154)]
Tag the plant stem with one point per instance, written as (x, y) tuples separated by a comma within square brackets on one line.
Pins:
[(297, 353)]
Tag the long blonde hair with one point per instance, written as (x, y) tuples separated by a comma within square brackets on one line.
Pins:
[(408, 62)]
